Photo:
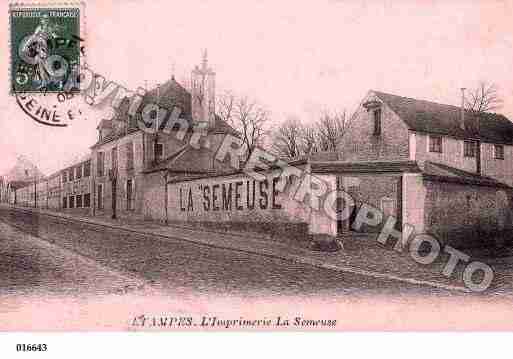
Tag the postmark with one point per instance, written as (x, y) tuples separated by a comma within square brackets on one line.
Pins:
[(46, 46)]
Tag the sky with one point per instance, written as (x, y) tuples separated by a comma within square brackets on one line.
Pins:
[(295, 57)]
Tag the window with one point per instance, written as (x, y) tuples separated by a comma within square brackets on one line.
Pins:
[(64, 202), (100, 164), (71, 174), (79, 171), (159, 151), (79, 201), (469, 149), (87, 168), (129, 155), (64, 176), (71, 201), (435, 144), (388, 206), (498, 152), (87, 200), (377, 122), (114, 158)]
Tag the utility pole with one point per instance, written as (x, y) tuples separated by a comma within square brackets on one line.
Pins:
[(156, 125), (166, 195), (114, 180), (35, 191)]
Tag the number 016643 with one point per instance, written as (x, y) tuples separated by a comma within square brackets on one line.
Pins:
[(31, 347)]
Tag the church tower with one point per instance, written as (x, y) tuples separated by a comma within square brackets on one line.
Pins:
[(203, 93)]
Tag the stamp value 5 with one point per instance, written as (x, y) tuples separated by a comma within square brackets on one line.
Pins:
[(45, 48)]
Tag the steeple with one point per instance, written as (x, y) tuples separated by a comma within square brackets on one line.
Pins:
[(203, 93), (204, 63)]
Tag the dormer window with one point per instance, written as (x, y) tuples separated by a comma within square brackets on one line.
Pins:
[(377, 121), (374, 106)]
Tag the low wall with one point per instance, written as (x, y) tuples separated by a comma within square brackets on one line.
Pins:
[(467, 215)]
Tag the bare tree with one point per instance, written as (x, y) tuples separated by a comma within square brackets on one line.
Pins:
[(247, 116), (484, 98), (309, 139), (287, 139), (225, 106), (331, 127)]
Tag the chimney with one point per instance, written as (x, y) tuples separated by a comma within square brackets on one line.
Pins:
[(462, 109)]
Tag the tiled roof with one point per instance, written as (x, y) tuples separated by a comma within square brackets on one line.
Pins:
[(222, 127), (364, 166), (444, 173), (431, 117), (168, 95)]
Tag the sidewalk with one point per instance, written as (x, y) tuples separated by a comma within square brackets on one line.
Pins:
[(361, 254)]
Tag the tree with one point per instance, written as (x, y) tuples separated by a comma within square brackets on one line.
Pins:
[(309, 142), (331, 127), (225, 106), (484, 98), (287, 139), (247, 116)]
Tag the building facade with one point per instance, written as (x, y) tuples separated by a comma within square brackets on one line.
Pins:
[(406, 164)]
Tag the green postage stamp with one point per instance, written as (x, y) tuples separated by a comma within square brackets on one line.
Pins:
[(46, 47)]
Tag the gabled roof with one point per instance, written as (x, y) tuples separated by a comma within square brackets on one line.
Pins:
[(432, 117)]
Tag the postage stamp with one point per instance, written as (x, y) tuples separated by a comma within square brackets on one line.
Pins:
[(45, 47)]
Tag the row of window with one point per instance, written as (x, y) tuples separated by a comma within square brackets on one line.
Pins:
[(130, 195), (469, 147), (158, 152), (78, 201), (82, 170), (100, 159)]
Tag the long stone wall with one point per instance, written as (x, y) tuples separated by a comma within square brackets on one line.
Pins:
[(240, 202), (237, 200), (467, 215)]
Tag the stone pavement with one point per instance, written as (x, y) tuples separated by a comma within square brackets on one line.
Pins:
[(361, 253)]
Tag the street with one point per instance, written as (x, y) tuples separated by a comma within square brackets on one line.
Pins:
[(174, 266), (62, 274)]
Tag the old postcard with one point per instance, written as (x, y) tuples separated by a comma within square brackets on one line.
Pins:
[(256, 166)]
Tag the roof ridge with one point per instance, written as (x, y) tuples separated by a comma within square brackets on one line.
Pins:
[(431, 102)]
